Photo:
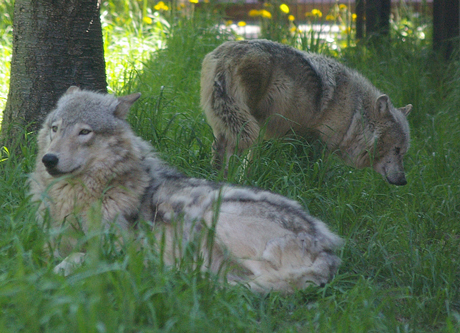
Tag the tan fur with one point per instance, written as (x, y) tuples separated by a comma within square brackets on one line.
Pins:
[(91, 155), (248, 85)]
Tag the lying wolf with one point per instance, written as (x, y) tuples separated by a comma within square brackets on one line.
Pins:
[(248, 85), (88, 153)]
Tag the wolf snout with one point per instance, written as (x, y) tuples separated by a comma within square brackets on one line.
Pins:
[(50, 161), (397, 179)]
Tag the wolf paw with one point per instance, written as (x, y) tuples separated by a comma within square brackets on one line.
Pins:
[(68, 265)]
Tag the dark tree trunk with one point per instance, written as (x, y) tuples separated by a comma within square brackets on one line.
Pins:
[(56, 44), (377, 18), (446, 29), (360, 10)]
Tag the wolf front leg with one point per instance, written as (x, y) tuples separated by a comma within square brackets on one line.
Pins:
[(117, 226)]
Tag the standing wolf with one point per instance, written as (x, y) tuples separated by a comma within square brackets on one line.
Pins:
[(247, 85), (88, 154)]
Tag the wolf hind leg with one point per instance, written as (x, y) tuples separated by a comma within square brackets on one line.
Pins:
[(235, 129), (267, 255), (219, 149), (223, 150), (292, 262)]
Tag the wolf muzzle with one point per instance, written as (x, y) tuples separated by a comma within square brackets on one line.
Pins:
[(398, 181), (50, 161)]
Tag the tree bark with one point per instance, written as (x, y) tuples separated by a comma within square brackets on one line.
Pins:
[(360, 10), (378, 18), (56, 44), (446, 28)]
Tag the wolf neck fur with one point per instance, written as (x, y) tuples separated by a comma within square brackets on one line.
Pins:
[(359, 139)]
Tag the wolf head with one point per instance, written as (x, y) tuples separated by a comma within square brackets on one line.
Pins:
[(392, 139), (84, 126), (379, 137), (383, 137)]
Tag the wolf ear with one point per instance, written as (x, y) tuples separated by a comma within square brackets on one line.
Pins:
[(124, 103), (72, 89), (382, 105), (406, 109)]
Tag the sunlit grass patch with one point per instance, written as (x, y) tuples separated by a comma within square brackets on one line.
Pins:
[(129, 42), (6, 53)]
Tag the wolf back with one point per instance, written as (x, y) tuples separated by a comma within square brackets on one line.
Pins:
[(88, 154), (249, 85)]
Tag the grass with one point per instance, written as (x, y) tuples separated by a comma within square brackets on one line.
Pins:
[(400, 270)]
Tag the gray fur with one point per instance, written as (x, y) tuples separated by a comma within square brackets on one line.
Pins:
[(248, 85), (266, 240)]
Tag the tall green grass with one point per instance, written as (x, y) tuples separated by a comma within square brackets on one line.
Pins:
[(400, 270)]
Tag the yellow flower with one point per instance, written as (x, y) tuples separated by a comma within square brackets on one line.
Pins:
[(342, 6), (206, 1), (267, 4), (266, 14), (293, 29), (291, 18), (147, 20), (284, 41), (161, 6), (345, 29), (284, 8), (229, 22), (241, 24), (254, 12), (353, 17), (316, 12), (193, 1), (330, 17)]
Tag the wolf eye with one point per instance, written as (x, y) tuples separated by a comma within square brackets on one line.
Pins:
[(54, 129), (84, 132)]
